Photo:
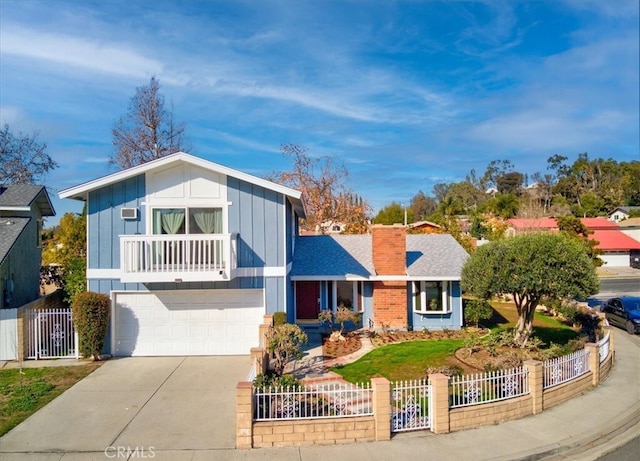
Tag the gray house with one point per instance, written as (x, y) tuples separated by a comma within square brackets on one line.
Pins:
[(193, 254), (22, 209)]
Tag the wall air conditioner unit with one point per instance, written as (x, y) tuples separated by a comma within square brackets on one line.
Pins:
[(129, 213)]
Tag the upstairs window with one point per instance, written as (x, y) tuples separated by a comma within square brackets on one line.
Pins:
[(431, 297), (187, 220)]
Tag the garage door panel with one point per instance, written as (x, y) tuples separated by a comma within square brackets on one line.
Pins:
[(148, 324)]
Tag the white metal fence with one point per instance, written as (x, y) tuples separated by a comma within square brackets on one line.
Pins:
[(603, 347), (482, 388), (410, 405), (563, 369), (325, 400), (50, 334)]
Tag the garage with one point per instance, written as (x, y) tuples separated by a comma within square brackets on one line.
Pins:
[(186, 322)]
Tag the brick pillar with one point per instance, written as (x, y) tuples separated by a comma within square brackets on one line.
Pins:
[(440, 406), (594, 362), (382, 408), (536, 384), (259, 356), (262, 334), (244, 415)]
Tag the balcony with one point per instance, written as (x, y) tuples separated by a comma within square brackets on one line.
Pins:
[(177, 257)]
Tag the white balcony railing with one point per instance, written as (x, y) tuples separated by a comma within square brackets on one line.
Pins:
[(181, 257)]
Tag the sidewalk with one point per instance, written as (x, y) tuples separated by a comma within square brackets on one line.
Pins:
[(176, 410)]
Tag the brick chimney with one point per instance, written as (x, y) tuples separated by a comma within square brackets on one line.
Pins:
[(389, 246)]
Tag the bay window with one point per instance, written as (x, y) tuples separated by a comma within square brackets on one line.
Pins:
[(344, 293)]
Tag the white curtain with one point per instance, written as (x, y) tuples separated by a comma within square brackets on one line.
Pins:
[(172, 220), (208, 220)]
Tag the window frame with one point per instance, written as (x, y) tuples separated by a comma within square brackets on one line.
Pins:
[(419, 297), (187, 217), (356, 293)]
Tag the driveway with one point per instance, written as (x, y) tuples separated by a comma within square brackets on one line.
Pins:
[(168, 403)]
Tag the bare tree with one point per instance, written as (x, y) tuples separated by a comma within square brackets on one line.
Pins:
[(327, 197), (147, 131), (23, 159)]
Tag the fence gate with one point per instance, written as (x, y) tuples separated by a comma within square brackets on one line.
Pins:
[(50, 334), (410, 405)]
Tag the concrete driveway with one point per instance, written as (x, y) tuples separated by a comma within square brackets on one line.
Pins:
[(168, 403)]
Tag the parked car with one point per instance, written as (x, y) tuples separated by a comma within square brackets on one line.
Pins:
[(624, 312)]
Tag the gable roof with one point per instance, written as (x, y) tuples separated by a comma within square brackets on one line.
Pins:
[(533, 223), (614, 240), (10, 230), (598, 224), (20, 197), (81, 191), (625, 209), (339, 257)]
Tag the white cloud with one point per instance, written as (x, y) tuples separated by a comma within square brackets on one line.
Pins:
[(79, 52)]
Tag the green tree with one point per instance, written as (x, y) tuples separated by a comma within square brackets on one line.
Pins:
[(284, 343), (574, 228), (68, 249), (504, 205), (393, 214), (529, 267), (422, 206)]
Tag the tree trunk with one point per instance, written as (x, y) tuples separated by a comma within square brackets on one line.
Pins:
[(524, 328)]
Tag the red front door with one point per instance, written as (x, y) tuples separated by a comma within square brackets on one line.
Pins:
[(307, 300)]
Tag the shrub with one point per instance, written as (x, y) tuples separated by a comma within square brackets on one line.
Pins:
[(338, 319), (476, 310), (91, 319), (284, 344), (279, 318), (274, 381)]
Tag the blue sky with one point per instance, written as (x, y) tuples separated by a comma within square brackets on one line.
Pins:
[(406, 94)]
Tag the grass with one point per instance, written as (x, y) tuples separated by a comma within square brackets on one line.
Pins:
[(409, 360), (400, 361), (547, 329), (23, 392)]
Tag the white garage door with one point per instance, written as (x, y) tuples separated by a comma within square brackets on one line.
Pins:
[(616, 259), (187, 322)]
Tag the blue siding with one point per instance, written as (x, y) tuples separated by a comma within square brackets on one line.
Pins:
[(104, 222), (256, 214)]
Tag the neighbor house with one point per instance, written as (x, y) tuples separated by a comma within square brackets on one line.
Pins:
[(193, 254), (618, 248), (22, 210), (622, 212)]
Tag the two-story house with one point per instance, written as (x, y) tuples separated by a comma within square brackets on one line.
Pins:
[(22, 210), (193, 254)]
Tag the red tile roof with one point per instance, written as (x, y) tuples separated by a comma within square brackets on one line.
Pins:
[(598, 224), (533, 223), (614, 240)]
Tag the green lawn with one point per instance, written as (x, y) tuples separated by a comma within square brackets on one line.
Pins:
[(23, 392), (409, 360), (402, 361)]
